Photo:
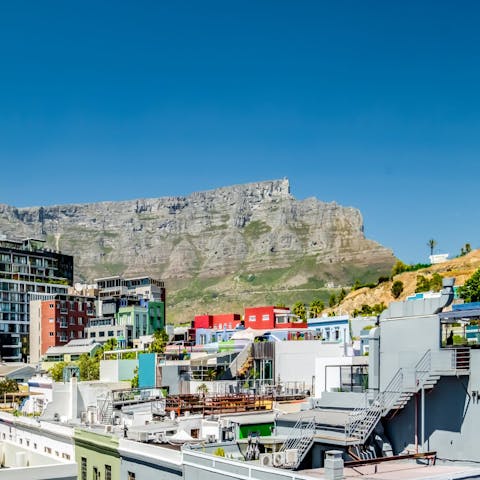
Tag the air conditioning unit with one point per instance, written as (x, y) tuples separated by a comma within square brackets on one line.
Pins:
[(291, 456), (266, 459), (278, 459)]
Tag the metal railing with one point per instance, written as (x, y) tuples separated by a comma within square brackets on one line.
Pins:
[(362, 421), (301, 439), (460, 359)]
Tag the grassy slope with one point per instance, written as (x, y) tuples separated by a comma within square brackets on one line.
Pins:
[(303, 281)]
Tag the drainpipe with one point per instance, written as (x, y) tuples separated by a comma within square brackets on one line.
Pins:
[(416, 422), (423, 420)]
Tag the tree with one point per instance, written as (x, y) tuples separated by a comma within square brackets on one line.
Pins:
[(316, 308), (397, 288), (56, 372), (431, 245), (300, 311), (89, 367), (202, 389), (399, 267), (134, 380), (467, 248), (8, 386), (423, 284), (341, 295), (470, 291), (159, 342), (109, 345), (436, 282), (332, 301)]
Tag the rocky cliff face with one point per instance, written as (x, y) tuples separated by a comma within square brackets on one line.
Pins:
[(242, 229)]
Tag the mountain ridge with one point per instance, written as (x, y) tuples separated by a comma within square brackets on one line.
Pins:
[(202, 242)]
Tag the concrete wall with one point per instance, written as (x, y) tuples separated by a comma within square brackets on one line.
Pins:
[(149, 461), (403, 342), (52, 440), (289, 356), (117, 370), (452, 417), (201, 466), (99, 450)]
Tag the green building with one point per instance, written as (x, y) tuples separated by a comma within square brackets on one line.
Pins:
[(144, 318), (97, 456)]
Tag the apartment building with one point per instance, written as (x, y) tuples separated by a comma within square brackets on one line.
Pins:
[(28, 271), (56, 321)]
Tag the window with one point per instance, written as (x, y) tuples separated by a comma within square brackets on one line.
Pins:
[(80, 321), (252, 318), (47, 450), (52, 305), (265, 317), (52, 334), (96, 474), (108, 472), (93, 334), (51, 320), (131, 476), (101, 334), (110, 333), (66, 456)]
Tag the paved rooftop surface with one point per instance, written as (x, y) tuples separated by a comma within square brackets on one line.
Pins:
[(402, 470)]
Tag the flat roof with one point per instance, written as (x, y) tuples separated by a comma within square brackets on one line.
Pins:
[(251, 418), (326, 416), (459, 314), (400, 470)]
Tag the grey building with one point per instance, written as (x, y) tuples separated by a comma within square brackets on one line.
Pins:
[(27, 271)]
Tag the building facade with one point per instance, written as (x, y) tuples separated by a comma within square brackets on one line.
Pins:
[(56, 321), (27, 271), (270, 317), (218, 321)]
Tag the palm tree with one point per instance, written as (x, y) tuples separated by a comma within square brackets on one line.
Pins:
[(431, 245)]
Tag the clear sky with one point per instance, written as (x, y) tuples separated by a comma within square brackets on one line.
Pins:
[(372, 104)]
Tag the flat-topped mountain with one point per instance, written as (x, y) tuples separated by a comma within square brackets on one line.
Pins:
[(215, 244)]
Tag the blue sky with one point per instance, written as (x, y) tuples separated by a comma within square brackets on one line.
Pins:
[(371, 104)]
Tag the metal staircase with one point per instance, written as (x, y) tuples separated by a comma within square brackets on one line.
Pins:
[(301, 440), (362, 421), (105, 409), (241, 363)]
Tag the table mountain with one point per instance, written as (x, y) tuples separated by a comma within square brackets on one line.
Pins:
[(223, 246)]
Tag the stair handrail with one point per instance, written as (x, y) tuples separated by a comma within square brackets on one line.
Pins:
[(240, 359), (423, 369), (362, 420)]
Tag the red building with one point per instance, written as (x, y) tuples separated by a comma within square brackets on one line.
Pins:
[(267, 318), (56, 321), (218, 322)]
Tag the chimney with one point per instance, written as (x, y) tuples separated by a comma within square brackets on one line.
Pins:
[(333, 465)]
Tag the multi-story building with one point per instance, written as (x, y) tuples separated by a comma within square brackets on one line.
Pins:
[(56, 321), (266, 318), (143, 287), (128, 308), (27, 271), (217, 321)]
